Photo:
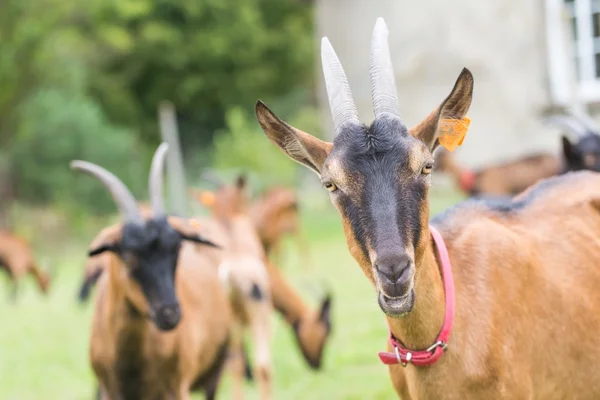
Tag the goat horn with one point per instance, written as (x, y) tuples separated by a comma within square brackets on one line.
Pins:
[(156, 179), (585, 120), (383, 85), (341, 103), (567, 122), (120, 193)]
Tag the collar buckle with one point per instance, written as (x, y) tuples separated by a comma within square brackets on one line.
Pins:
[(439, 343)]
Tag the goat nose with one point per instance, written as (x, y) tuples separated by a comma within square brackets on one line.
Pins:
[(394, 272), (170, 315)]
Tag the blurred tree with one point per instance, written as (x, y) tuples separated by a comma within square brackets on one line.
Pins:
[(59, 127), (204, 56)]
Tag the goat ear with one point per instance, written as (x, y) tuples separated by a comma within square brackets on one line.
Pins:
[(569, 151), (113, 247), (325, 312), (199, 239), (299, 146), (454, 107)]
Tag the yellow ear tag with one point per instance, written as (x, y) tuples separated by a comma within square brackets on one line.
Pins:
[(207, 199), (452, 132)]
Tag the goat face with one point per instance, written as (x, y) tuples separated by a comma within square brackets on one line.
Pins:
[(378, 177), (149, 247), (150, 253), (584, 154)]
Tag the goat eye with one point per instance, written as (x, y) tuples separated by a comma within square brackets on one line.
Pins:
[(331, 187), (427, 168)]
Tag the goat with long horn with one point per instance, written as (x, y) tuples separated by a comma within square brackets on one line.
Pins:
[(477, 300), (161, 323)]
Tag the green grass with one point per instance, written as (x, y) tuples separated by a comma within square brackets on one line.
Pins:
[(44, 341)]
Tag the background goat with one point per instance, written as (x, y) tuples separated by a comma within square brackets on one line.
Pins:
[(161, 322), (512, 177), (311, 327), (243, 272), (16, 257)]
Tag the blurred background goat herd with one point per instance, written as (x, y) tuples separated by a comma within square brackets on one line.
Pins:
[(107, 81)]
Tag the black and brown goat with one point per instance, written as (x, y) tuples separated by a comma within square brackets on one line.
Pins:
[(17, 258), (526, 276), (161, 321), (512, 177)]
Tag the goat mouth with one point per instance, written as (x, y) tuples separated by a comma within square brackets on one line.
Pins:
[(397, 307)]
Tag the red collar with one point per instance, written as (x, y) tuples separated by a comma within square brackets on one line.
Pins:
[(466, 181), (419, 358)]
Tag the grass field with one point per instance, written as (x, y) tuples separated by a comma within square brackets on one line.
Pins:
[(44, 341)]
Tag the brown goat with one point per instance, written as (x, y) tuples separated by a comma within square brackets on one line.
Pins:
[(514, 176), (161, 321), (16, 256), (311, 327), (504, 179), (274, 214), (244, 273), (525, 270)]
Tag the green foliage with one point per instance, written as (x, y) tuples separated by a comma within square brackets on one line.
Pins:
[(59, 127), (83, 81), (243, 146), (204, 56)]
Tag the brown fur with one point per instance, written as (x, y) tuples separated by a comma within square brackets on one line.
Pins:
[(130, 355), (16, 256), (508, 178), (243, 271)]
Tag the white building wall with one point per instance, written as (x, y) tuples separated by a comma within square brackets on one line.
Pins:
[(502, 42)]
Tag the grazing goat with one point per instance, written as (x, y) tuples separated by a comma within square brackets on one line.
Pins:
[(504, 179), (513, 177), (519, 317), (162, 322), (244, 273), (16, 256), (311, 327)]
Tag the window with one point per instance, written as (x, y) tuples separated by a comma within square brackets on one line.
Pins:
[(573, 42)]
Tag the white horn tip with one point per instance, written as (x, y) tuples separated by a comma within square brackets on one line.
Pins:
[(325, 43), (380, 25)]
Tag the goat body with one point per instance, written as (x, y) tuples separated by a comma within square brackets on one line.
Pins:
[(132, 359), (16, 256), (508, 178), (526, 281)]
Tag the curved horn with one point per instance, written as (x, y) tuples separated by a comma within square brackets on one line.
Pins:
[(341, 103), (567, 122), (156, 179), (120, 193), (383, 84), (585, 120)]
